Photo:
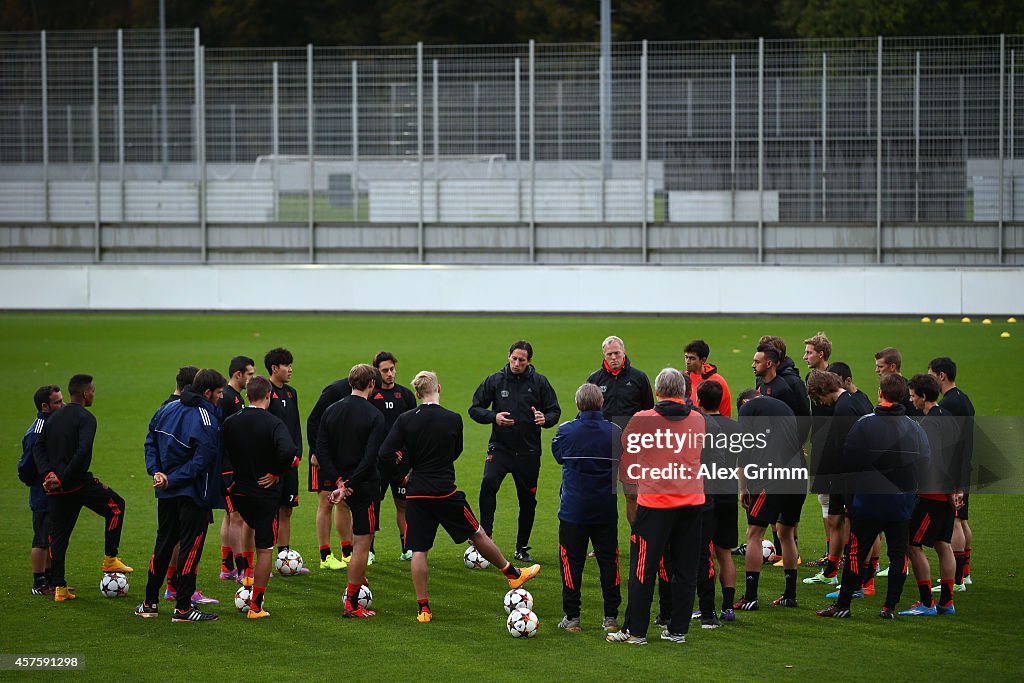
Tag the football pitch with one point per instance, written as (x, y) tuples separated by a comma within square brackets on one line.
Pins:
[(134, 358)]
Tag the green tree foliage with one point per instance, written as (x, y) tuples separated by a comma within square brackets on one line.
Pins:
[(859, 18)]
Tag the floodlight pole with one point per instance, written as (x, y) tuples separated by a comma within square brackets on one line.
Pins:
[(163, 91), (606, 98)]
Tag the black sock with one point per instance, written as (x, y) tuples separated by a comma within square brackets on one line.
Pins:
[(325, 550), (346, 549), (752, 580), (728, 597), (241, 564), (958, 578), (39, 579), (790, 583), (401, 536), (424, 605), (924, 590), (511, 571)]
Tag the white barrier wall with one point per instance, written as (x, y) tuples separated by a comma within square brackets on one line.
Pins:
[(521, 289)]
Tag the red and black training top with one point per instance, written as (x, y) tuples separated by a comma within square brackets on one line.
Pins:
[(431, 438), (257, 443)]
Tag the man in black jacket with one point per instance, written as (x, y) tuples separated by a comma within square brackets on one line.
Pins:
[(348, 439), (517, 401), (261, 450), (63, 454)]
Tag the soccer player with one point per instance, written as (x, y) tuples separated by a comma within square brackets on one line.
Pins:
[(347, 443), (47, 400), (765, 502), (886, 453), (817, 350), (183, 455), (932, 522), (518, 402), (626, 389), (588, 449), (331, 394), (240, 371), (284, 403), (826, 388), (719, 519), (63, 454), (261, 450), (889, 361), (668, 513), (392, 400), (956, 403), (842, 370), (770, 382), (696, 355), (430, 437)]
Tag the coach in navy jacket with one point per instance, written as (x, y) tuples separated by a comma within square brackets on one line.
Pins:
[(588, 448)]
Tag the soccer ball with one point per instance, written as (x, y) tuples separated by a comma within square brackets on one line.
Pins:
[(242, 597), (114, 585), (522, 623), (518, 598), (473, 559), (288, 563), (767, 549), (364, 598)]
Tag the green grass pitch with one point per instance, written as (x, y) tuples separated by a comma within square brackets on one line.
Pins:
[(134, 358)]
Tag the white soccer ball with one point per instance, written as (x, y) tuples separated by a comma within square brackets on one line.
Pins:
[(288, 563), (474, 560), (522, 623), (767, 549), (242, 597), (518, 598), (364, 598), (114, 585)]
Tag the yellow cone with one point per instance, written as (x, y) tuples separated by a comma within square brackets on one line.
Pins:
[(965, 319), (939, 321), (1005, 335), (926, 319), (986, 321), (1011, 320)]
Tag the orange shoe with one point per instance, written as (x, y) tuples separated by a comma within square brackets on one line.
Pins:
[(253, 614), (525, 574), (61, 593), (358, 613), (869, 587), (424, 616), (114, 564)]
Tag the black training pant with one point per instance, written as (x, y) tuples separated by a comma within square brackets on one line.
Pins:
[(183, 523), (525, 470), (64, 509), (863, 533), (654, 530), (706, 564), (572, 550)]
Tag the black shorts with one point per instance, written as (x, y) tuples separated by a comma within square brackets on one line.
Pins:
[(768, 508), (424, 515), (837, 504), (962, 512), (289, 489), (365, 515), (313, 479), (40, 529), (260, 513), (932, 522), (727, 533)]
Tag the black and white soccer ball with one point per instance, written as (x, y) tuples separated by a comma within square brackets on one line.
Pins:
[(364, 598), (522, 623), (518, 598), (288, 563), (114, 585), (473, 559), (242, 597)]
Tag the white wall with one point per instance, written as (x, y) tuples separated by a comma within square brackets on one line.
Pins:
[(585, 289)]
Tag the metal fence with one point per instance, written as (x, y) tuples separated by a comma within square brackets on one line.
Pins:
[(838, 151)]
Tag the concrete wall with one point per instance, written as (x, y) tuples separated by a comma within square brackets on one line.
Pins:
[(880, 290)]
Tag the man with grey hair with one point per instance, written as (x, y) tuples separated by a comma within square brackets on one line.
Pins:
[(662, 457), (588, 449), (626, 391)]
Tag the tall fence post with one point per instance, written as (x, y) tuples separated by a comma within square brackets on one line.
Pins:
[(435, 104), (1013, 169), (824, 132), (355, 140), (760, 150), (275, 137), (517, 122), (533, 161), (44, 96), (732, 135), (96, 149), (311, 171), (878, 155), (605, 105), (419, 155), (1002, 159), (917, 136), (120, 123), (643, 153), (201, 120)]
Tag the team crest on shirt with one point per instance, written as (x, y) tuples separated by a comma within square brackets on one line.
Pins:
[(289, 394), (398, 394), (504, 393), (603, 388)]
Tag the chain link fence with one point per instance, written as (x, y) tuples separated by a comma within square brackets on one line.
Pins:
[(781, 151)]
